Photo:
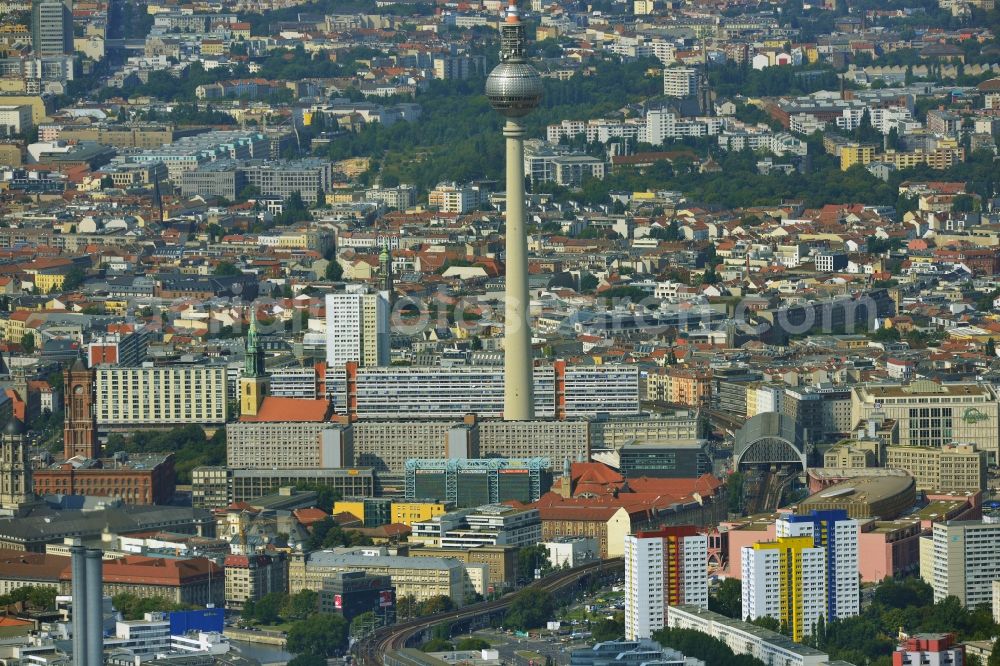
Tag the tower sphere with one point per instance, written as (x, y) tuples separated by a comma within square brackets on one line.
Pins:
[(514, 88)]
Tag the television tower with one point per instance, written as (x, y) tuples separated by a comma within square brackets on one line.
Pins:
[(514, 89)]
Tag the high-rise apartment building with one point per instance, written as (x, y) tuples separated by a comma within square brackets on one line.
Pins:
[(158, 396), (666, 567), (357, 329), (837, 535), (291, 444), (680, 81), (559, 390), (51, 28), (609, 393), (959, 559), (785, 579)]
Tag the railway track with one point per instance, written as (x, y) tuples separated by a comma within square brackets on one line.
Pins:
[(372, 650)]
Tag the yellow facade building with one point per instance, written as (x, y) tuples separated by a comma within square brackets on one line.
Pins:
[(47, 282), (856, 153), (34, 101), (407, 513), (796, 568)]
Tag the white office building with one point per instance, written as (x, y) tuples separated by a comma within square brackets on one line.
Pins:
[(667, 567), (488, 525), (397, 392), (357, 329), (680, 81), (158, 396), (14, 119)]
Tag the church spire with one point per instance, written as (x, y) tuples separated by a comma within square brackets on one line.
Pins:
[(254, 383), (385, 265), (254, 357)]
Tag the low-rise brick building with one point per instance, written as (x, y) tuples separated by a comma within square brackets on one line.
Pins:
[(197, 581), (139, 479)]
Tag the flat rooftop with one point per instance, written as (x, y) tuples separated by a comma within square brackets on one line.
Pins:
[(765, 635), (925, 388)]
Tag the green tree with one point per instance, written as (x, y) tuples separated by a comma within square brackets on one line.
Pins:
[(734, 491), (767, 622), (226, 268), (133, 607), (268, 608), (963, 203), (322, 635), (301, 605), (214, 232), (531, 559), (190, 446), (38, 598), (293, 210), (325, 495), (727, 598), (710, 276), (41, 597), (406, 606), (994, 659), (328, 534), (609, 630), (308, 660), (531, 608), (472, 643), (588, 283), (248, 192), (437, 645), (437, 604), (28, 343), (74, 279), (334, 271), (671, 232), (362, 624), (702, 646), (885, 335)]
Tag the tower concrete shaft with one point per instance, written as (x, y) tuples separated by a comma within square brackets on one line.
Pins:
[(518, 400), (78, 573), (95, 605), (514, 89)]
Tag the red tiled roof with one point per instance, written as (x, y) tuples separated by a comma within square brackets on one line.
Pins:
[(295, 410), (140, 570), (16, 564), (309, 516)]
